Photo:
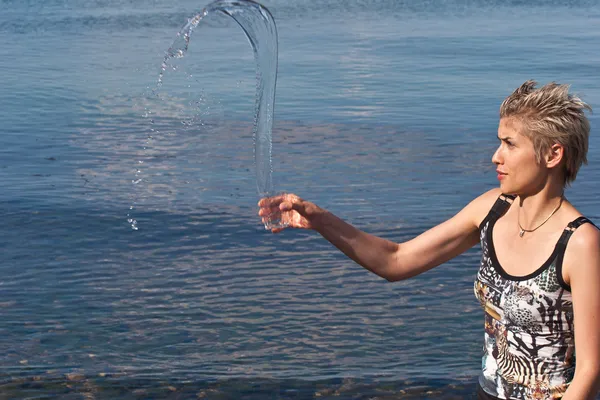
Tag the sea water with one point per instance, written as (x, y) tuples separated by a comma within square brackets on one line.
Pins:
[(387, 114), (260, 29)]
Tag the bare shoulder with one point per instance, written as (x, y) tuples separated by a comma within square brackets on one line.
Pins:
[(582, 256), (481, 205), (586, 239)]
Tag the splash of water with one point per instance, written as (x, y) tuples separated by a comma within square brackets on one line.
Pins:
[(259, 26)]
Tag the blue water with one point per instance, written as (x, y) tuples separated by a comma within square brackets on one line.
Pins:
[(386, 114)]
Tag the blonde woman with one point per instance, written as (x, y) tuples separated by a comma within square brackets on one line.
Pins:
[(539, 276)]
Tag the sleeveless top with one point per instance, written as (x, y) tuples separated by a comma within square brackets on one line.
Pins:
[(529, 350)]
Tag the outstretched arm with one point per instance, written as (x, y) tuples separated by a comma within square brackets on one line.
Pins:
[(387, 259)]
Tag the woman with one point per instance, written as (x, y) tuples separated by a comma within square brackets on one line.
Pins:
[(539, 276)]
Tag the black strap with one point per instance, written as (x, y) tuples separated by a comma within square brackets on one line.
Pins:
[(501, 205), (571, 227), (561, 246)]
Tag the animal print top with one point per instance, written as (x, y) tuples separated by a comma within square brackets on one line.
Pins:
[(529, 350)]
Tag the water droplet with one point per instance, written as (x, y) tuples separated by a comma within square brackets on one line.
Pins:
[(133, 224)]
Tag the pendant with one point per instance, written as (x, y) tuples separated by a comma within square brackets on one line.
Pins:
[(521, 232)]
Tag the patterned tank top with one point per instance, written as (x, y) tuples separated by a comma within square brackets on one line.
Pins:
[(529, 350)]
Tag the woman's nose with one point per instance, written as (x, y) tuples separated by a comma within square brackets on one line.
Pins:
[(496, 158)]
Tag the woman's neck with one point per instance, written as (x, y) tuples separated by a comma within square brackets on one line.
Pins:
[(535, 208)]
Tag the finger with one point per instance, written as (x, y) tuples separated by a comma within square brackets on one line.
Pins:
[(292, 205), (277, 230), (270, 201), (263, 202)]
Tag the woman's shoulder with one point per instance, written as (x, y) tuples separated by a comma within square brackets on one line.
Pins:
[(474, 213), (490, 196), (585, 238), (586, 233), (582, 255), (481, 206)]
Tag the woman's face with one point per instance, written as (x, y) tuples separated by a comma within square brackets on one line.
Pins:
[(516, 165)]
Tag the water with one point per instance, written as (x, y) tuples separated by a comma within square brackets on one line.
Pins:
[(386, 115), (260, 29)]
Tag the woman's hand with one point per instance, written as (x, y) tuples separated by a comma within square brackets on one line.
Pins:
[(295, 212)]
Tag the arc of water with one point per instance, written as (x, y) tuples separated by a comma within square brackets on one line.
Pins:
[(258, 24)]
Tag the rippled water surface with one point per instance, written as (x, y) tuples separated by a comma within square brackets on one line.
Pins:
[(386, 115)]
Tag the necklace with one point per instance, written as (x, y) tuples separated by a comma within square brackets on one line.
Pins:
[(523, 230)]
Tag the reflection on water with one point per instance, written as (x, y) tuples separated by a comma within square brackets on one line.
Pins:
[(203, 292), (205, 162), (206, 294)]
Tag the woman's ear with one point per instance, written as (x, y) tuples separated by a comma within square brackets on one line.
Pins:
[(555, 155)]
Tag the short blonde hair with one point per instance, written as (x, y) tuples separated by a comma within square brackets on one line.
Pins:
[(551, 115)]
